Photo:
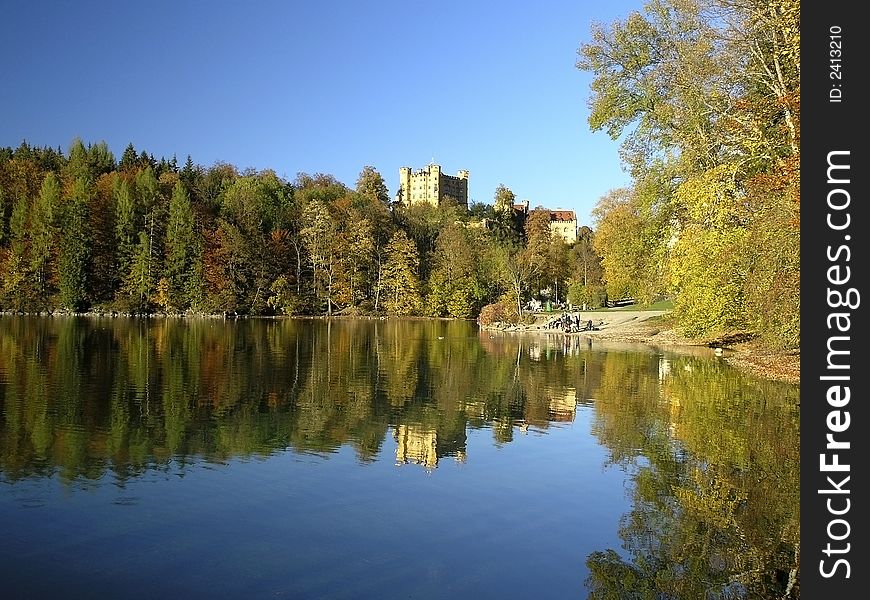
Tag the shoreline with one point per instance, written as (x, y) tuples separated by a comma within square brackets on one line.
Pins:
[(648, 327), (626, 326)]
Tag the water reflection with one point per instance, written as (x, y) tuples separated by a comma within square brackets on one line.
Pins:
[(714, 461), (710, 456), (85, 395)]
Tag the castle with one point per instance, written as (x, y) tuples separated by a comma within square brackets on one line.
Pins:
[(563, 223), (432, 186)]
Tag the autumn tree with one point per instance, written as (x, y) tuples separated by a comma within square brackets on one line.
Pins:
[(454, 288), (400, 282), (504, 199), (537, 250), (517, 267), (705, 95), (43, 234), (370, 183), (16, 285), (357, 256), (584, 284), (319, 237)]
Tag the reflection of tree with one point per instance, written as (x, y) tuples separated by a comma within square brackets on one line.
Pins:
[(86, 395), (713, 455), (716, 500)]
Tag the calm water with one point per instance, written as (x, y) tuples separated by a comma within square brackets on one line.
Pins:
[(385, 459)]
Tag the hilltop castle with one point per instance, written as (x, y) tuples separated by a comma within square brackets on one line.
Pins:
[(432, 186)]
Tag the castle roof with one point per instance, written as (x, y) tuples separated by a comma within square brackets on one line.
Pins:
[(562, 215)]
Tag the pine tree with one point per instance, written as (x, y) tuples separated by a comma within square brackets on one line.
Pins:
[(140, 280), (128, 159), (179, 244), (75, 251), (42, 232), (125, 225)]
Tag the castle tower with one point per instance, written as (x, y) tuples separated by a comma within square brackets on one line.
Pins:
[(432, 186)]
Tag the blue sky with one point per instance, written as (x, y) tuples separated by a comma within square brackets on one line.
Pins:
[(322, 86)]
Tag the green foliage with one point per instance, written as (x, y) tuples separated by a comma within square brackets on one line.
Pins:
[(77, 162), (75, 249), (591, 296), (140, 281), (356, 261), (705, 266), (706, 277), (504, 199), (321, 242), (256, 203), (43, 234), (629, 246), (504, 311), (537, 251), (706, 98), (772, 288), (283, 299), (454, 287), (144, 235), (125, 225), (400, 282), (371, 184), (179, 245)]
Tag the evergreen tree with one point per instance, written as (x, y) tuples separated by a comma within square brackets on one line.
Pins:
[(125, 225), (14, 276), (129, 159), (77, 161), (75, 251), (42, 234), (150, 201), (100, 160), (179, 244), (139, 285)]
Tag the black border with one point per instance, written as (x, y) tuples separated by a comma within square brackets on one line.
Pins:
[(832, 126)]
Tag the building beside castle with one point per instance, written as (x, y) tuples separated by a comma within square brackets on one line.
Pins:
[(432, 186), (563, 223)]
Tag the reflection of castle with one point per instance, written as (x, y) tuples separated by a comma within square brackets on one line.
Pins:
[(417, 444), (563, 407)]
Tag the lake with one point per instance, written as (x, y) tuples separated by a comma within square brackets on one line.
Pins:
[(315, 458)]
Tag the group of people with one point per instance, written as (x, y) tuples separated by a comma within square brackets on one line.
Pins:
[(571, 323)]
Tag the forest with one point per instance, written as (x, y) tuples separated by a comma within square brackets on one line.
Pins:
[(704, 96), (81, 231)]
